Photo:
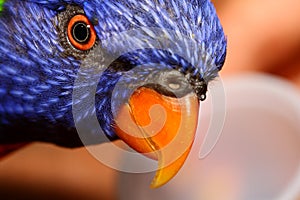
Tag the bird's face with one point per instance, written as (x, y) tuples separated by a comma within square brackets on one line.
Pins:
[(146, 64)]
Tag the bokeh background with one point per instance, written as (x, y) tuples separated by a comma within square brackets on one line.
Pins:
[(263, 37)]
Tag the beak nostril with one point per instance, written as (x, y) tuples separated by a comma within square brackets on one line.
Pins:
[(174, 86)]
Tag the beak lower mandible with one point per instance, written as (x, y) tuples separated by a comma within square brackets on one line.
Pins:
[(161, 127)]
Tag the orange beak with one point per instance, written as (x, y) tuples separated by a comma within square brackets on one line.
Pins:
[(160, 127)]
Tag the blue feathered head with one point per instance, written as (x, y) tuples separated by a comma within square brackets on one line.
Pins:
[(41, 55), (58, 56)]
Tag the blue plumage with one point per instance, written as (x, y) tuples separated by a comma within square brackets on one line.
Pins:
[(38, 65)]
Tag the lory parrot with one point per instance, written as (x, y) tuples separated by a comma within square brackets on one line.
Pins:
[(65, 64)]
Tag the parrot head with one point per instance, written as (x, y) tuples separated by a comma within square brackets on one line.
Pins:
[(139, 68)]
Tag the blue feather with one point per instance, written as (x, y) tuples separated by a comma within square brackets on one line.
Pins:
[(37, 72)]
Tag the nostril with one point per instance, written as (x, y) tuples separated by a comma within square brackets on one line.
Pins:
[(174, 86), (170, 83), (174, 82)]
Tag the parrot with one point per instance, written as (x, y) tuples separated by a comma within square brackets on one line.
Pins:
[(65, 64)]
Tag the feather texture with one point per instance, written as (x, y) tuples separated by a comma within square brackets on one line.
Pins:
[(38, 67)]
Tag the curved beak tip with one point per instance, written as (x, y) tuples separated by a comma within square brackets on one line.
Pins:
[(162, 128)]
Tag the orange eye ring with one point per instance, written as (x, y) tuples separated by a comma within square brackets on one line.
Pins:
[(81, 33)]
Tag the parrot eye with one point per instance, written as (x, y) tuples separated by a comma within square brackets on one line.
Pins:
[(81, 33)]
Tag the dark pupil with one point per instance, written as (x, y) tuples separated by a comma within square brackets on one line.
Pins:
[(81, 32)]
